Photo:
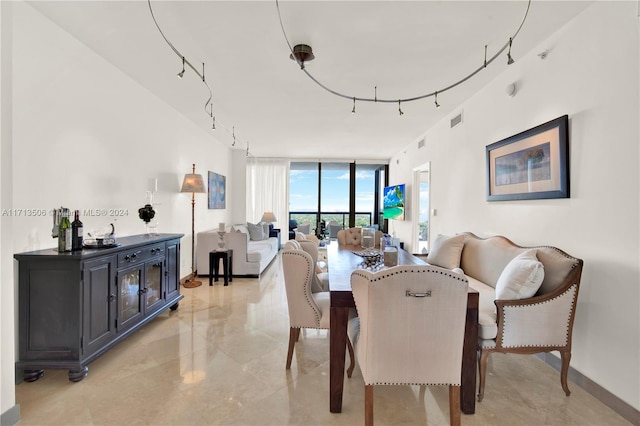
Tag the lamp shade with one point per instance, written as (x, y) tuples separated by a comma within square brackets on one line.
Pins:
[(193, 182), (269, 217)]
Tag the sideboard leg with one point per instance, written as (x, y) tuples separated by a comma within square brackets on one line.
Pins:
[(77, 375), (32, 375)]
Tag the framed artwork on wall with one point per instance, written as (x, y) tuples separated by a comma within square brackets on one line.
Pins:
[(533, 164), (217, 189)]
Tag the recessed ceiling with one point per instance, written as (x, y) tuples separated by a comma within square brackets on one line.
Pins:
[(404, 48)]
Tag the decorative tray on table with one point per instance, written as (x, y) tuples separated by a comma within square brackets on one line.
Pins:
[(371, 256), (100, 243)]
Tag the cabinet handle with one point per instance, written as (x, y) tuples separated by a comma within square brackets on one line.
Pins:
[(127, 258), (112, 297)]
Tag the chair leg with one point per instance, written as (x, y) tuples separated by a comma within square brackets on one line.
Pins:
[(294, 334), (566, 357), (368, 405), (352, 356), (454, 405), (482, 366)]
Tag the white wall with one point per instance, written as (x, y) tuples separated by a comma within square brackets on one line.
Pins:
[(591, 74), (86, 136), (7, 356)]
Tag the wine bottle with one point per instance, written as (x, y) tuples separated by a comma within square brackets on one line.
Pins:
[(64, 232), (76, 232)]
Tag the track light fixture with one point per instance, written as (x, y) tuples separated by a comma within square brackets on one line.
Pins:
[(485, 55), (186, 62), (509, 58), (298, 52), (181, 73)]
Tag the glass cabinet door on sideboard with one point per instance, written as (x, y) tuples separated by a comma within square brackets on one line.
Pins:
[(153, 288), (129, 300), (141, 289)]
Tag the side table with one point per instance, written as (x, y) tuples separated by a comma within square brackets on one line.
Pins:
[(275, 232), (227, 265)]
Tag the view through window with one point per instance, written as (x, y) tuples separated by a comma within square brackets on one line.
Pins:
[(333, 181)]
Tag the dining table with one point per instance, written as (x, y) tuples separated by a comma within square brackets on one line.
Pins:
[(341, 262)]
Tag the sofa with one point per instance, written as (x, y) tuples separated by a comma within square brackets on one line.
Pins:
[(250, 257), (527, 295)]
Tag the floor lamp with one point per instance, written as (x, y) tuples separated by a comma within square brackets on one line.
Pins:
[(193, 183)]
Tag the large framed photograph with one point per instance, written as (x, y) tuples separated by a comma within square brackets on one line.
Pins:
[(217, 189), (533, 164)]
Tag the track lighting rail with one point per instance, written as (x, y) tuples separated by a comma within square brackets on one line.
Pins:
[(435, 93)]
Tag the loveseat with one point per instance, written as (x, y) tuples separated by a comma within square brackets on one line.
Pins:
[(527, 295), (250, 257)]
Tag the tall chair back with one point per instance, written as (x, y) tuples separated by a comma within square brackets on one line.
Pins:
[(304, 312), (306, 309), (412, 321), (353, 236)]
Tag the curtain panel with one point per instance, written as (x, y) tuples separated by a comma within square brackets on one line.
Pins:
[(268, 190)]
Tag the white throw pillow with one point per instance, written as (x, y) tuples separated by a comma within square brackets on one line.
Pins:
[(240, 228), (256, 232), (521, 278), (446, 251)]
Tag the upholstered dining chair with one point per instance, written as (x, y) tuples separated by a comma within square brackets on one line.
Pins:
[(333, 228), (306, 309), (305, 228), (320, 278), (353, 236), (299, 236), (412, 321), (292, 245)]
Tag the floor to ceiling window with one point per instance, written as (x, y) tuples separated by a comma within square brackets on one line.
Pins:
[(334, 193), (303, 192), (347, 194), (369, 180)]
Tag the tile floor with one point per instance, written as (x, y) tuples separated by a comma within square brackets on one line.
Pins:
[(219, 359)]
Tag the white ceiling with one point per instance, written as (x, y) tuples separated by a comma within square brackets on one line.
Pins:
[(404, 48)]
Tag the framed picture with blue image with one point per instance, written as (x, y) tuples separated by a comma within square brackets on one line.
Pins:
[(217, 189), (533, 164)]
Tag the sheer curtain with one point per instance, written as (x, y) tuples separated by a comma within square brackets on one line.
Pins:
[(268, 189)]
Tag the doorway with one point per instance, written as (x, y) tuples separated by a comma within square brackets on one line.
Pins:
[(421, 208)]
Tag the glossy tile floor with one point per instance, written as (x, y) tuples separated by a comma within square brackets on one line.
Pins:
[(219, 359)]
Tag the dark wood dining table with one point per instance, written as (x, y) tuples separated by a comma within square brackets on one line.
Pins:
[(341, 263)]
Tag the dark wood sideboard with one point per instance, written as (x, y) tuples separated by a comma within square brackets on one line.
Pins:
[(73, 307)]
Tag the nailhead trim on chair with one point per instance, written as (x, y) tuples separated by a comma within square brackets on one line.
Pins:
[(394, 271), (572, 289), (307, 283), (411, 384)]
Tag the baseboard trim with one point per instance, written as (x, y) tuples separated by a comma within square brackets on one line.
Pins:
[(607, 398), (11, 416)]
